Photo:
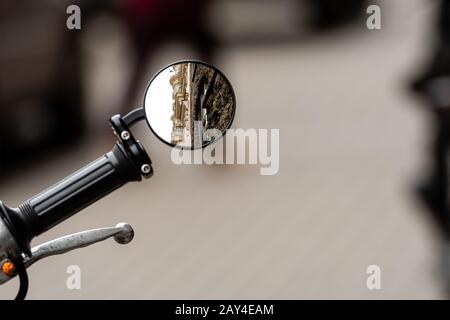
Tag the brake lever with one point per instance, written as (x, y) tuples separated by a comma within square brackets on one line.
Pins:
[(123, 233)]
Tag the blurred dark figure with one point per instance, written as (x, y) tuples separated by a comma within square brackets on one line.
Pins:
[(40, 86), (152, 22), (434, 85)]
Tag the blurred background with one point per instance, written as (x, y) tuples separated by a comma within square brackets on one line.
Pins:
[(363, 140)]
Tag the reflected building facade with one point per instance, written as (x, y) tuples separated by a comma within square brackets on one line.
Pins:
[(181, 95), (212, 100), (202, 100)]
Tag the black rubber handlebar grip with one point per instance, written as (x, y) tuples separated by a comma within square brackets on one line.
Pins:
[(78, 191)]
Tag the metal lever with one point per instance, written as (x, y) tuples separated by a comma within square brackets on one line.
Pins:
[(123, 233)]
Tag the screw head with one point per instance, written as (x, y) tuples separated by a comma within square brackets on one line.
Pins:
[(125, 135), (146, 169)]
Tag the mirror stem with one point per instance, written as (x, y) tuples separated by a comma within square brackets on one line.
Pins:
[(134, 116)]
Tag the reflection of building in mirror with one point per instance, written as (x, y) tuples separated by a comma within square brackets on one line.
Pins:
[(212, 100), (181, 118), (202, 100)]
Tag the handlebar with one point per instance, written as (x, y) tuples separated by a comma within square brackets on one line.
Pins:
[(78, 191), (126, 162)]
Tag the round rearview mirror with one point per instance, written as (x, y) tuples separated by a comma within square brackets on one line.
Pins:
[(189, 104)]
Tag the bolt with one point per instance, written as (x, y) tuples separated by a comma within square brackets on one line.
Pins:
[(146, 169), (125, 135)]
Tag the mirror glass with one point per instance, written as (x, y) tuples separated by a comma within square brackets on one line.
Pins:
[(189, 104)]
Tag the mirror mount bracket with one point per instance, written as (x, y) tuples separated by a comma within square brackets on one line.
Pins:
[(129, 144), (134, 116)]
